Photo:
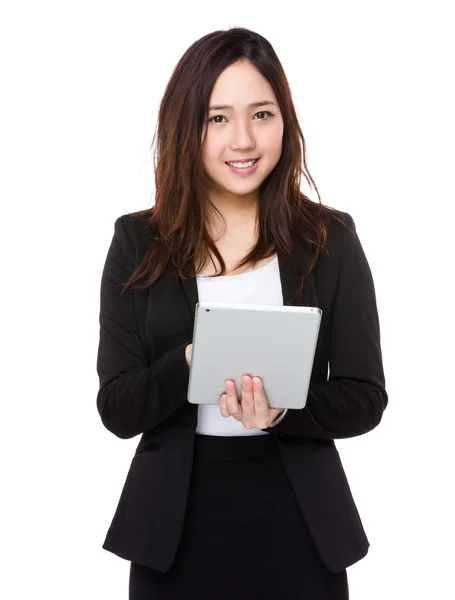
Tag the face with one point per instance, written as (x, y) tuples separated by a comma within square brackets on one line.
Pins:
[(244, 122)]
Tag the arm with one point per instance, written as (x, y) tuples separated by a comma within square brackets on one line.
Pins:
[(352, 401), (133, 395)]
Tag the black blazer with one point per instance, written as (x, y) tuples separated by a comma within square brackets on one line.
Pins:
[(143, 390)]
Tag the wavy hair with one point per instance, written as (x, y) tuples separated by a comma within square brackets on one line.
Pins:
[(179, 217)]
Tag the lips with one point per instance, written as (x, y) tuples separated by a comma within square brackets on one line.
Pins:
[(243, 168)]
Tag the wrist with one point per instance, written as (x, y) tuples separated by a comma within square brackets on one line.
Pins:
[(279, 417)]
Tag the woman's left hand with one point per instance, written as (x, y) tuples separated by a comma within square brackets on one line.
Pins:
[(253, 410)]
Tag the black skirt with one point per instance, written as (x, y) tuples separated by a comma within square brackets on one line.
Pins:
[(244, 536)]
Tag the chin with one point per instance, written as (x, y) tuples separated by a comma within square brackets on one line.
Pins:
[(240, 190), (240, 187)]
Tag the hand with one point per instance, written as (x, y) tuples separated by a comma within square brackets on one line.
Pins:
[(189, 354), (254, 410)]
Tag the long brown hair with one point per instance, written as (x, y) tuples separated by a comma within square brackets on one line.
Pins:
[(179, 217)]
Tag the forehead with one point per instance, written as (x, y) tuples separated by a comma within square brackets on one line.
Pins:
[(239, 85)]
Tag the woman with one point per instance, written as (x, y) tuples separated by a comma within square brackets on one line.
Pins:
[(236, 500)]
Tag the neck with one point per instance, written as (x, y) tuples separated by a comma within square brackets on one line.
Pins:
[(234, 208)]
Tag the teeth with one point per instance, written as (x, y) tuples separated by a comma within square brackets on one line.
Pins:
[(242, 165)]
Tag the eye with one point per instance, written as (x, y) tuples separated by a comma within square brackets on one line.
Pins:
[(212, 120), (264, 112)]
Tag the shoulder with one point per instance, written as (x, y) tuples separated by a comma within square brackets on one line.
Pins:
[(341, 237), (339, 223), (135, 231), (341, 231), (136, 224)]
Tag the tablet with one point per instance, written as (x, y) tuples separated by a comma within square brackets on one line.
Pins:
[(276, 343)]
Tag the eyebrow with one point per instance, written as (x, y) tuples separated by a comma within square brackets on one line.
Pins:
[(253, 105)]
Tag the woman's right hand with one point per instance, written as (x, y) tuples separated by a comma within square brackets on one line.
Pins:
[(189, 353)]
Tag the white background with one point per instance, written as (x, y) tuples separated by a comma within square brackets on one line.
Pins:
[(81, 84)]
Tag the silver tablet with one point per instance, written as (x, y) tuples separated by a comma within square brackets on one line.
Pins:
[(276, 343)]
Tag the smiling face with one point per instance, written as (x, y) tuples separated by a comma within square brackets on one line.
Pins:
[(244, 122)]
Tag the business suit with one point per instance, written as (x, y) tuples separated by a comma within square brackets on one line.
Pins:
[(144, 379)]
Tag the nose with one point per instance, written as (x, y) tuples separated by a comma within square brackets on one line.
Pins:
[(242, 137)]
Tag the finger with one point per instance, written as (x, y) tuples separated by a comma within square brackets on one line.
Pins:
[(232, 403), (223, 408), (247, 402), (262, 414)]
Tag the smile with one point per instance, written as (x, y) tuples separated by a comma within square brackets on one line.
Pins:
[(242, 164), (243, 168)]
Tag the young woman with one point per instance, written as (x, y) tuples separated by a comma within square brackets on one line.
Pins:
[(237, 500)]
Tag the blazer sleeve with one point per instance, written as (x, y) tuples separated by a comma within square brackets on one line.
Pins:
[(133, 395), (354, 398)]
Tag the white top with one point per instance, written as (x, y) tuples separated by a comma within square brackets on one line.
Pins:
[(260, 286)]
